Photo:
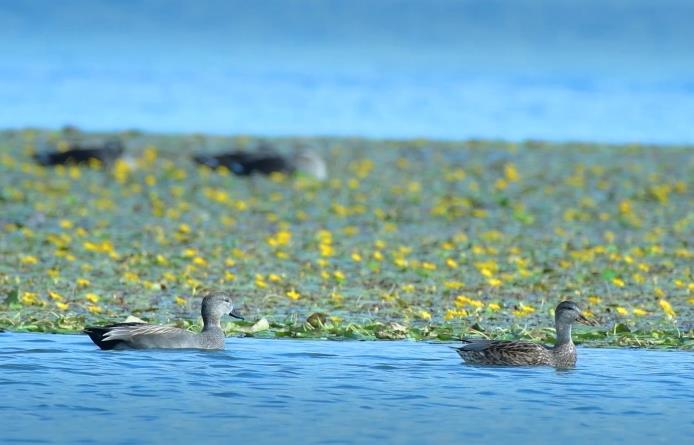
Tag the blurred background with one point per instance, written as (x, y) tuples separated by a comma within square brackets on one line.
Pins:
[(589, 70)]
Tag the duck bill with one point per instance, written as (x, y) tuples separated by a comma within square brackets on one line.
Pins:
[(235, 313), (587, 321)]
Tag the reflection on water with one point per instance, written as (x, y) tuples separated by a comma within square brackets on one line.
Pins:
[(60, 389)]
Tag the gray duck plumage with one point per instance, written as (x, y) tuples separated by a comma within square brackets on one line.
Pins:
[(519, 353), (148, 336)]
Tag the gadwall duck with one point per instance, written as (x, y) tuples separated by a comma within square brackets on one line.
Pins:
[(146, 336), (243, 163), (518, 353), (106, 153)]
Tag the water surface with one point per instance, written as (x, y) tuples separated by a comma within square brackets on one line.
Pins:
[(57, 389)]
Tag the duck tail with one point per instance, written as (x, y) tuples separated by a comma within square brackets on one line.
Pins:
[(43, 158), (97, 333)]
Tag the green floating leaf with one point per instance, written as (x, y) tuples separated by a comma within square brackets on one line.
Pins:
[(609, 274)]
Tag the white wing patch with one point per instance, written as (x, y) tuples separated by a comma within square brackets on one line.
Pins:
[(128, 332)]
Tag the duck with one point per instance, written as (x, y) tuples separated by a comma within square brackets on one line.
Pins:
[(106, 153), (520, 353), (266, 162), (148, 336)]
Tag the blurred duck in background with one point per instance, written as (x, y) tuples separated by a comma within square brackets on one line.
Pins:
[(266, 161), (82, 153)]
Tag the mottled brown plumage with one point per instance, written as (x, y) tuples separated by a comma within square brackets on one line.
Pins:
[(519, 353)]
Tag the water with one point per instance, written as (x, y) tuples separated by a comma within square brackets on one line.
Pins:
[(606, 70), (60, 389)]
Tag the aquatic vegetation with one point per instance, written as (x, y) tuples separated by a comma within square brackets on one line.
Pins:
[(406, 239)]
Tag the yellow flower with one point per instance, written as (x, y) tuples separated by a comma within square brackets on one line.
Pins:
[(454, 313), (260, 281), (377, 255), (428, 266), (94, 298), (294, 295), (667, 308), (29, 259), (640, 312), (523, 310), (453, 285), (494, 307), (229, 276), (450, 262), (274, 278), (55, 296), (189, 252), (462, 300), (180, 301), (30, 299), (326, 249), (200, 261), (94, 309), (511, 173), (424, 315), (400, 262), (82, 282), (336, 297), (594, 299), (408, 288), (339, 275), (494, 282), (131, 277), (62, 306), (638, 278), (622, 311), (356, 257)]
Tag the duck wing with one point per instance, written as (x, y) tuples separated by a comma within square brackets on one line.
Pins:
[(139, 335), (499, 352)]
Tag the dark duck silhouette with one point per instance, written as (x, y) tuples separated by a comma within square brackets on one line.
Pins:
[(265, 162), (82, 153)]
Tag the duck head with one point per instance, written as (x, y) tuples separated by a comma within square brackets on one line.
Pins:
[(568, 312), (217, 304)]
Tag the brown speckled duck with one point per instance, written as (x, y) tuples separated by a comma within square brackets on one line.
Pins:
[(519, 353)]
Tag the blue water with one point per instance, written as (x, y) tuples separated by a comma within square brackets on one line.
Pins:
[(606, 70), (59, 389)]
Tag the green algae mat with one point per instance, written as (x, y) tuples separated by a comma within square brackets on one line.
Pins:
[(406, 239)]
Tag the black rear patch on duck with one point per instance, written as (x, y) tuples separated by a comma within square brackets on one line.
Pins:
[(105, 153), (97, 333)]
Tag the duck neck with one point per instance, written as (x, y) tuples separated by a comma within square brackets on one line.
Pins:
[(563, 333), (211, 324)]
